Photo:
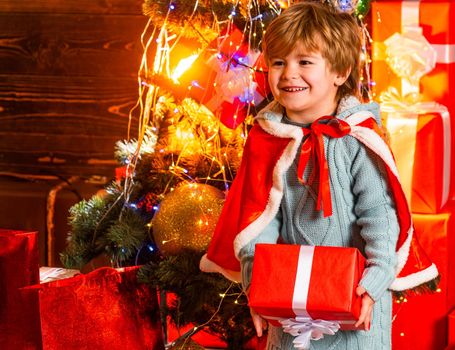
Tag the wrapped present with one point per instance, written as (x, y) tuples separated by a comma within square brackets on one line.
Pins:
[(19, 267), (437, 234), (291, 282), (420, 138), (97, 310), (391, 17)]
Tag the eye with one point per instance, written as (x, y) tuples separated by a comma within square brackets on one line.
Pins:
[(304, 62), (277, 63)]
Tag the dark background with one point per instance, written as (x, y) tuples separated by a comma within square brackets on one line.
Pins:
[(68, 78)]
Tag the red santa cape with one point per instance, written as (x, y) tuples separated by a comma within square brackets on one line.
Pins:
[(255, 196)]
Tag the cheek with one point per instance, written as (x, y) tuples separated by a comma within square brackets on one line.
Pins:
[(271, 78)]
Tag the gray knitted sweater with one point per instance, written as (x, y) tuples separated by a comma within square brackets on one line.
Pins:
[(363, 217)]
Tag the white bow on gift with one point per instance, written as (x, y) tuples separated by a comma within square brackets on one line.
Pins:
[(306, 329)]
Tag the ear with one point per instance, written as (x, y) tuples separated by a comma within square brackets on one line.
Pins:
[(342, 77)]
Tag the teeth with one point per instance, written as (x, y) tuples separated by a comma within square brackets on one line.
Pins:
[(294, 89)]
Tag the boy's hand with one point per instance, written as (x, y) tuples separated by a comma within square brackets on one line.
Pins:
[(259, 323), (367, 308)]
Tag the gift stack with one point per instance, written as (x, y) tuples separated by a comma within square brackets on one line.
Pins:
[(414, 72), (104, 309)]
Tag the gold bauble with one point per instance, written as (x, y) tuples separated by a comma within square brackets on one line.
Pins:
[(186, 218)]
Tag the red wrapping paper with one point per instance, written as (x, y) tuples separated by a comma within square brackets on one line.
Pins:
[(105, 309), (19, 267), (331, 296), (421, 322), (429, 172), (429, 165)]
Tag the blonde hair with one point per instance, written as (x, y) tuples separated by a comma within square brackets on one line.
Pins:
[(320, 28)]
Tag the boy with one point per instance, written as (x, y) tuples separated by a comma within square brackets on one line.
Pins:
[(315, 171)]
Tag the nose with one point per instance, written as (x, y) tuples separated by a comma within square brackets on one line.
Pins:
[(290, 71)]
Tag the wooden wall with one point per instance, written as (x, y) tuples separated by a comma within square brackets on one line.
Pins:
[(67, 81), (68, 78)]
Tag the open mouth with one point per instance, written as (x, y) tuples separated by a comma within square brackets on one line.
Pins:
[(294, 89)]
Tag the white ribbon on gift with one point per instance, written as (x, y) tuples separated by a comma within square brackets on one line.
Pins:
[(410, 16), (410, 13), (410, 56), (305, 329), (401, 122)]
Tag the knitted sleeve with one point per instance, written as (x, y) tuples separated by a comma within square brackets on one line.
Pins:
[(377, 217), (268, 235)]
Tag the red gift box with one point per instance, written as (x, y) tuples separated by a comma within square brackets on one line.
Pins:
[(104, 309), (19, 267), (420, 142), (293, 280), (420, 322)]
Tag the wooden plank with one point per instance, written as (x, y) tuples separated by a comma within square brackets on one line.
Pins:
[(27, 101), (73, 6), (27, 164), (80, 44), (71, 123)]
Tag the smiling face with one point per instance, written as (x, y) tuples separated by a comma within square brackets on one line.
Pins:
[(313, 55), (303, 83)]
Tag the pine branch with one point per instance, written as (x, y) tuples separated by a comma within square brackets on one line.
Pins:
[(198, 297)]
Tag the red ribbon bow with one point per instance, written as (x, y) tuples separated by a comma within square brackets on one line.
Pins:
[(313, 147)]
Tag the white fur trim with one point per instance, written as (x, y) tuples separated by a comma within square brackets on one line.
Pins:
[(208, 265), (347, 103), (373, 141), (276, 193), (415, 279)]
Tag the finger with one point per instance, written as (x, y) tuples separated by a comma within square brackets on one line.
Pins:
[(368, 322), (363, 314), (257, 325), (359, 321), (360, 291), (257, 322)]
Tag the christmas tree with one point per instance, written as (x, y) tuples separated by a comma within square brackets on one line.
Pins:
[(201, 81)]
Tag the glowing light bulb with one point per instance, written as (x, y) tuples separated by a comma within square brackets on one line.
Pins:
[(182, 67)]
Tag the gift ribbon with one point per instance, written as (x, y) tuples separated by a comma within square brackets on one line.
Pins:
[(305, 329), (303, 326), (410, 15), (313, 147), (402, 117)]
